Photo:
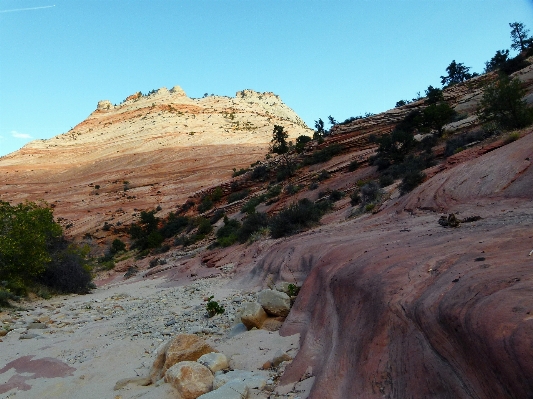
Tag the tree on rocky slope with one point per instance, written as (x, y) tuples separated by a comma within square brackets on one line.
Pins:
[(503, 104), (519, 37), (457, 73)]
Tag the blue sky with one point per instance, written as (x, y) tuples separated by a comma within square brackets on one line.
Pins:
[(338, 57)]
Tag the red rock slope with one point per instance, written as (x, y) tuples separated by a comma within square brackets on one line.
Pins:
[(396, 306)]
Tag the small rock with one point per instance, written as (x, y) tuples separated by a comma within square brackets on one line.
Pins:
[(280, 357), (267, 365), (253, 315), (3, 333), (36, 326), (191, 379), (28, 336), (274, 302), (214, 361), (282, 286), (232, 390), (250, 379), (273, 323)]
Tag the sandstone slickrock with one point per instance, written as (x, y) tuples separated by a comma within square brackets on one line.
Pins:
[(234, 389), (253, 315), (191, 379), (249, 378), (214, 361), (274, 302)]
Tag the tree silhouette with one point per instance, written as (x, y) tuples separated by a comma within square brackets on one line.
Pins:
[(519, 36), (457, 73)]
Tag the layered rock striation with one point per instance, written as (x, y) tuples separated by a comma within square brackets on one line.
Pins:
[(150, 150)]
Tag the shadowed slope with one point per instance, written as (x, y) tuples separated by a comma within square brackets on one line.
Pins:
[(397, 306)]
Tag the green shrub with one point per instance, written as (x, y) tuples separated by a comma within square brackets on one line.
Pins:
[(26, 231), (117, 245), (503, 103), (353, 166), (174, 225), (323, 155), (213, 308), (411, 179), (249, 207), (336, 195), (273, 191), (227, 234), (297, 217), (205, 205), (239, 172), (512, 137), (323, 175), (385, 180), (237, 196), (204, 227), (253, 223), (216, 195), (260, 173), (301, 141)]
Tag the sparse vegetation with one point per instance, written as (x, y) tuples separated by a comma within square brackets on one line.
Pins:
[(503, 104), (33, 251), (297, 217), (213, 308)]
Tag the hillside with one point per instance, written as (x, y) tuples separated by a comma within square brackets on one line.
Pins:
[(395, 301), (165, 145)]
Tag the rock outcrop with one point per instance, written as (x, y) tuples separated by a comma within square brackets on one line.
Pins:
[(165, 145), (394, 305)]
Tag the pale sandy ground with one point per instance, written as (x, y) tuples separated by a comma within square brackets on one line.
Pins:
[(95, 340)]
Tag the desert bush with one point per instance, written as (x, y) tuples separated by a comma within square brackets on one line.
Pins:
[(385, 180), (503, 103), (297, 217), (313, 186), (253, 223), (237, 196), (323, 155), (458, 143), (250, 205), (370, 192), (292, 189), (227, 234), (174, 225), (117, 245), (260, 173), (512, 137), (413, 178), (205, 205), (273, 191), (219, 214), (355, 198), (336, 195), (323, 175), (69, 270), (239, 172), (353, 166)]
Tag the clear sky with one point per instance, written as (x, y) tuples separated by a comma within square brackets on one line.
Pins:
[(58, 58)]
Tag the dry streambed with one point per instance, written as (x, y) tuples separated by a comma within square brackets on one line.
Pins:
[(104, 344)]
